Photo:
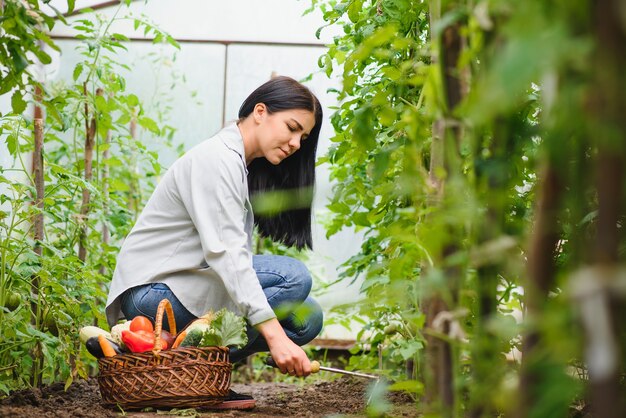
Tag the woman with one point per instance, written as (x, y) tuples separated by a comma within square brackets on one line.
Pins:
[(192, 242)]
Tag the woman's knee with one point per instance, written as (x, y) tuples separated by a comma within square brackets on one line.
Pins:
[(293, 273), (300, 276), (310, 320)]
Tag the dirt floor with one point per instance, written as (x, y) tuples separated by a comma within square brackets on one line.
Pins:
[(342, 397)]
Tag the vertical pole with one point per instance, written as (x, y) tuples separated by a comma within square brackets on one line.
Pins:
[(105, 192), (38, 223), (608, 131), (541, 276), (134, 187), (38, 170), (90, 134), (439, 371)]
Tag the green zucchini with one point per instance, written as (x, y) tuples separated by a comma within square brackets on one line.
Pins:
[(91, 331)]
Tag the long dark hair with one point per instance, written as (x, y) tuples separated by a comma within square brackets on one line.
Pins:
[(294, 175)]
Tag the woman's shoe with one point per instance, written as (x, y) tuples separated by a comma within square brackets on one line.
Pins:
[(235, 400)]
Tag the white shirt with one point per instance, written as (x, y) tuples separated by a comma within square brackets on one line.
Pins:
[(195, 235)]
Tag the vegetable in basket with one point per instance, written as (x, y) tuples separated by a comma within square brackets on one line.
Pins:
[(224, 328), (141, 323), (116, 331), (95, 348), (141, 341), (89, 331)]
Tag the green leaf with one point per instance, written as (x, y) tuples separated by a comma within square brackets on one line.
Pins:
[(231, 328), (413, 386), (101, 104), (18, 104), (354, 10), (132, 100), (12, 142), (393, 73), (170, 40), (364, 132), (410, 348), (387, 116), (20, 62), (77, 71), (149, 124), (43, 57), (318, 32), (123, 119), (116, 184), (210, 338), (69, 381), (119, 37)]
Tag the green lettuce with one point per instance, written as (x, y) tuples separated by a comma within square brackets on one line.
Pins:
[(225, 329)]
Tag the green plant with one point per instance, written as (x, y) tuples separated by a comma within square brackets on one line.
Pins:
[(463, 146), (97, 172)]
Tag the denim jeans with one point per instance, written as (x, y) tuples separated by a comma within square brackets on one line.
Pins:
[(286, 283)]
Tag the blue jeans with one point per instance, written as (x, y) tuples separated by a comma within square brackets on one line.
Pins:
[(286, 283)]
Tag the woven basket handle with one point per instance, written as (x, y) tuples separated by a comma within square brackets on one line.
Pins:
[(164, 305)]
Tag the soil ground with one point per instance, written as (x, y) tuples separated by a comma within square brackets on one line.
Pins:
[(342, 397)]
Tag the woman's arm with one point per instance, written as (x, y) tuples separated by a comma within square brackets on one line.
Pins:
[(287, 355)]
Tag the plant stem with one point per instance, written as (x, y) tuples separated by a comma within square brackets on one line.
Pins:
[(541, 272)]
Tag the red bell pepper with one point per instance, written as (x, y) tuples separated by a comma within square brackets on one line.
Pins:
[(141, 341), (138, 341)]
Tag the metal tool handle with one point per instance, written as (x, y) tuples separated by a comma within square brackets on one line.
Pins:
[(315, 367)]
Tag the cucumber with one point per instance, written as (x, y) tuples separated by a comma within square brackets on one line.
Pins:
[(90, 331)]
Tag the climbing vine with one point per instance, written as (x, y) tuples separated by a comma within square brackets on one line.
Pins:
[(463, 149)]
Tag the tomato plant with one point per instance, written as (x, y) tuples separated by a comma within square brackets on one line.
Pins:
[(52, 284), (463, 144)]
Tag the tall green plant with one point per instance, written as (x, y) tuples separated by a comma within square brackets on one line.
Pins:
[(454, 221), (71, 285), (378, 158)]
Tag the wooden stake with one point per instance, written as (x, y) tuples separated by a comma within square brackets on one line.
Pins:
[(90, 134), (38, 220), (38, 223), (541, 273), (439, 373), (105, 191), (134, 188), (608, 131)]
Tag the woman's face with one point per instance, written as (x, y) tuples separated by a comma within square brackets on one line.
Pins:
[(280, 134)]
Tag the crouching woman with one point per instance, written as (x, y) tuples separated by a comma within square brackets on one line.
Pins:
[(192, 242)]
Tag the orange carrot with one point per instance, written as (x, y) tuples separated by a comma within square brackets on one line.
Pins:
[(105, 346)]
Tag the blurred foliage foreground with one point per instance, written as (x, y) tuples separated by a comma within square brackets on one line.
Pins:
[(479, 146)]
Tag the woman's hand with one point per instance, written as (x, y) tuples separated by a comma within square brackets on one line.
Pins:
[(287, 355)]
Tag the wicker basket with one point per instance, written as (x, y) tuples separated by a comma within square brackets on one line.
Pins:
[(189, 377)]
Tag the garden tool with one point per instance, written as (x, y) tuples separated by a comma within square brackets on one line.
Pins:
[(316, 367)]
